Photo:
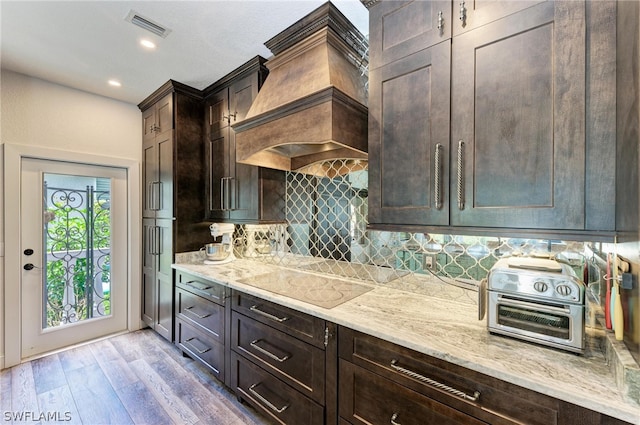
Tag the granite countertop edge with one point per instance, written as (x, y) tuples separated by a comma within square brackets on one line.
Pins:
[(584, 382)]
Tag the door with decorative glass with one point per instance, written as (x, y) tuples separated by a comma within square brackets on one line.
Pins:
[(74, 251)]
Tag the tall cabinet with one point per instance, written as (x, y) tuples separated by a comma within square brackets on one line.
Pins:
[(237, 192), (483, 115), (172, 188)]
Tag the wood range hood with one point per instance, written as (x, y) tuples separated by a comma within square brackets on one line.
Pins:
[(312, 106)]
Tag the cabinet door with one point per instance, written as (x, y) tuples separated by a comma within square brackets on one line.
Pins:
[(164, 185), (400, 28), (164, 114), (518, 108), (148, 125), (218, 173), (148, 273), (471, 14), (164, 278), (149, 177), (244, 192), (408, 139), (217, 112)]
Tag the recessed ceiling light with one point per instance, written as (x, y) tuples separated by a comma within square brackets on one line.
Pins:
[(115, 83), (148, 44)]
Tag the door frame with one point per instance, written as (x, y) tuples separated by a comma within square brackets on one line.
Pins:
[(13, 155)]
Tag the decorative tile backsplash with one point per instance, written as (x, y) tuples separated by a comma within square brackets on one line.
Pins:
[(326, 214)]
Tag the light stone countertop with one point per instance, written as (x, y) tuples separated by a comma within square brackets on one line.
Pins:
[(443, 323)]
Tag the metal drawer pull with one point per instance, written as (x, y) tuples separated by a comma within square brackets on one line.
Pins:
[(393, 419), (265, 401), (255, 309), (460, 175), (269, 354), (201, 290), (437, 183), (440, 21), (188, 310), (190, 344), (433, 383)]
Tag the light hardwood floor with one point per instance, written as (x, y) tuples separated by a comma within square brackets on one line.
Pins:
[(136, 378)]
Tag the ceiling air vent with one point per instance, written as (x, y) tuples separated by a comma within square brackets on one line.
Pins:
[(136, 19)]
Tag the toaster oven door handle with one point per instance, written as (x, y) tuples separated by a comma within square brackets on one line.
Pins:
[(482, 299), (507, 300)]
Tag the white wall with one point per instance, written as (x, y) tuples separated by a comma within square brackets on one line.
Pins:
[(35, 112)]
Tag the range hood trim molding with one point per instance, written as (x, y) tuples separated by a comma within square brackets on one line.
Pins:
[(301, 104)]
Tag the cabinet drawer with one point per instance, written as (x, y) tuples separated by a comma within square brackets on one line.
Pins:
[(201, 313), (303, 326), (202, 287), (366, 398), (498, 402), (201, 346), (272, 396), (297, 363)]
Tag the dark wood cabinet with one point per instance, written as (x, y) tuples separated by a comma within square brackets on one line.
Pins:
[(200, 321), (172, 187), (400, 28), (284, 362), (409, 138), (235, 191), (518, 120), (383, 383), (531, 109)]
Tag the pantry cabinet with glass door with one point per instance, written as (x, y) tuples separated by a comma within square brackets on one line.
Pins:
[(477, 116)]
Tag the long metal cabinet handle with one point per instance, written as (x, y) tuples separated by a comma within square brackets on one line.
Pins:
[(199, 316), (222, 193), (434, 383), (190, 344), (393, 419), (233, 194), (158, 195), (265, 401), (267, 353), (203, 291), (460, 175), (255, 309), (437, 180), (150, 237), (158, 240), (148, 197)]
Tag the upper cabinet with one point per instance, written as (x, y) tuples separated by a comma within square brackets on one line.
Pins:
[(494, 126), (235, 191)]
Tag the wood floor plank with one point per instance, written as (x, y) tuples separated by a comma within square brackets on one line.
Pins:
[(5, 394), (127, 345), (142, 406), (95, 399), (163, 391), (115, 368), (59, 403), (77, 358), (209, 407), (23, 390), (48, 373)]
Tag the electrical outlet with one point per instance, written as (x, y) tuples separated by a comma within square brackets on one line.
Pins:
[(430, 261)]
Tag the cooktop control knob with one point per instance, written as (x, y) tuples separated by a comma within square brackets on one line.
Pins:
[(540, 286), (564, 290)]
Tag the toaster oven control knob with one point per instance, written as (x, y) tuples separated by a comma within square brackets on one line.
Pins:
[(563, 290), (540, 286)]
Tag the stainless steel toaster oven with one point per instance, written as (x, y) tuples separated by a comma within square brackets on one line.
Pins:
[(536, 300)]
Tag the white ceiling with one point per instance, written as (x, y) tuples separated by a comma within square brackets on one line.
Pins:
[(83, 44)]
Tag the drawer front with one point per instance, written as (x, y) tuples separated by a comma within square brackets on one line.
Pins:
[(272, 396), (498, 402), (303, 326), (366, 398), (201, 313), (201, 346), (205, 288), (297, 363)]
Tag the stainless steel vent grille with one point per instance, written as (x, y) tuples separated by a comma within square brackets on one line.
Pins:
[(148, 24)]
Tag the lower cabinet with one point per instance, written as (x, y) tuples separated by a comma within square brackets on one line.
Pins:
[(383, 383), (200, 321), (281, 362)]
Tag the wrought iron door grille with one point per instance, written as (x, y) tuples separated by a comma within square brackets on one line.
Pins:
[(77, 248)]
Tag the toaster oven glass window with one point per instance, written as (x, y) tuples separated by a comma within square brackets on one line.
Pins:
[(530, 319)]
